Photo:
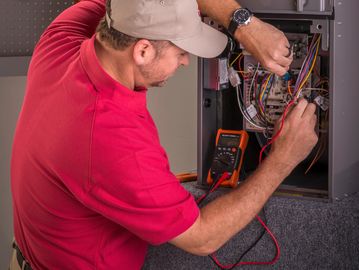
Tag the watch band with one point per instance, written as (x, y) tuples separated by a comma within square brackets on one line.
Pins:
[(232, 27)]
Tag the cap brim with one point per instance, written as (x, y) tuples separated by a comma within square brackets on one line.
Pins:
[(209, 43)]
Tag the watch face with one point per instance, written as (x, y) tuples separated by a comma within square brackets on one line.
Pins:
[(241, 16)]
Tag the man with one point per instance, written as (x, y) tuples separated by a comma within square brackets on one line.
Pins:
[(91, 183)]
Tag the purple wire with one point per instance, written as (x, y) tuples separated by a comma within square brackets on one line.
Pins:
[(308, 63)]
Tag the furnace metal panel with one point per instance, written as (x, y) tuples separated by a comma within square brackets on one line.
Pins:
[(344, 151)]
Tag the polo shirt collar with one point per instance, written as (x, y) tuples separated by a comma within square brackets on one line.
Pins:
[(104, 83)]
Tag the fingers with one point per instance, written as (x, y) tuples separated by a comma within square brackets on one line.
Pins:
[(309, 111), (313, 121), (277, 69), (286, 60), (289, 48), (298, 109), (279, 64), (281, 56), (304, 111)]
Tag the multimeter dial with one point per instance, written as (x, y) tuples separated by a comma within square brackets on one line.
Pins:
[(225, 160)]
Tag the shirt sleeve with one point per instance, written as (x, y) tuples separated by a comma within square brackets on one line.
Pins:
[(62, 39), (131, 182), (79, 20)]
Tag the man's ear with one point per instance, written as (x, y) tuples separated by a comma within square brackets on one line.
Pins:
[(143, 52)]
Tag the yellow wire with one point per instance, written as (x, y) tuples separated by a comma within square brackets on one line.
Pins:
[(235, 59), (265, 87), (321, 147), (310, 71), (262, 93), (289, 91)]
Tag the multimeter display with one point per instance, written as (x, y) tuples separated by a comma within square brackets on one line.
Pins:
[(228, 155), (229, 140)]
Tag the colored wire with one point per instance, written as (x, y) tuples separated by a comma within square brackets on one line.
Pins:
[(248, 249), (307, 65), (303, 76), (307, 76), (245, 113), (254, 76), (316, 89), (235, 59), (278, 132), (213, 187), (275, 259), (288, 88), (321, 147), (263, 90)]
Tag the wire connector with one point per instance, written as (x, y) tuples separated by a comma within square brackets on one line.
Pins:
[(233, 77)]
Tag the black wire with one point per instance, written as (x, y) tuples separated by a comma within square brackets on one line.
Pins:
[(218, 177), (247, 250), (262, 141), (253, 244)]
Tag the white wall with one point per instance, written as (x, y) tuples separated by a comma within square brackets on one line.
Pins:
[(174, 109), (11, 96)]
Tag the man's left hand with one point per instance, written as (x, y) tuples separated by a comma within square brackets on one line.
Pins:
[(267, 44)]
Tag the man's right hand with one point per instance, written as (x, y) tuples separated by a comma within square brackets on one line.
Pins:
[(297, 137)]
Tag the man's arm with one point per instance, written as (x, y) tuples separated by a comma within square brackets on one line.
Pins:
[(227, 215), (79, 20), (265, 42)]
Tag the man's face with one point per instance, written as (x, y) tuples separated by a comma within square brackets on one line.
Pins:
[(164, 65)]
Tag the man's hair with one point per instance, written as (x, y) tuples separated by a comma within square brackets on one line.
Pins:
[(120, 41)]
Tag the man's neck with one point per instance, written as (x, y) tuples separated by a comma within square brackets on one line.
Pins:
[(117, 64)]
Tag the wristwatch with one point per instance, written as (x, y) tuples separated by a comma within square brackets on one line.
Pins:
[(240, 17)]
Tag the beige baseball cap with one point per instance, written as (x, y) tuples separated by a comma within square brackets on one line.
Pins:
[(177, 21)]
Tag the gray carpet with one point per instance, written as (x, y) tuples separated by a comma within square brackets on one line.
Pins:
[(311, 235)]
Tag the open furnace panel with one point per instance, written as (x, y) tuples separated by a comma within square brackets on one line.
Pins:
[(264, 97), (255, 101)]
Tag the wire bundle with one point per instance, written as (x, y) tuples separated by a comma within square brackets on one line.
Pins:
[(216, 183), (260, 81), (254, 119), (265, 87), (239, 262), (307, 66)]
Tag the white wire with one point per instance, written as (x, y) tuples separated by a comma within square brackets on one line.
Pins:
[(243, 113), (315, 89), (254, 75)]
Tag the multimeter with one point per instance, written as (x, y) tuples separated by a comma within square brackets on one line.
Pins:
[(228, 156)]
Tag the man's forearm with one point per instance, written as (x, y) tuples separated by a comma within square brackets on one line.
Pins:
[(246, 201), (220, 11), (265, 42), (230, 213)]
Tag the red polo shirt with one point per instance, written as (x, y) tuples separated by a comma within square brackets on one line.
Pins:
[(91, 183)]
